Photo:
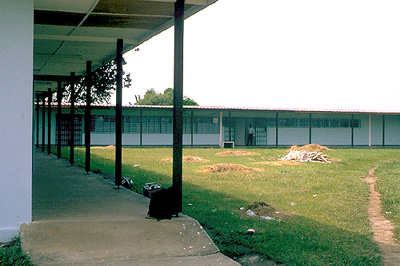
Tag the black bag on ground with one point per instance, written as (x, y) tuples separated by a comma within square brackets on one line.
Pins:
[(163, 204)]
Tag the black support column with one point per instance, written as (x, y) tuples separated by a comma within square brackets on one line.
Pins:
[(43, 121), (178, 103), (141, 128), (58, 118), (309, 129), (118, 117), (352, 129), (88, 115), (49, 98), (72, 120), (277, 129), (37, 120), (230, 127), (192, 128), (383, 130)]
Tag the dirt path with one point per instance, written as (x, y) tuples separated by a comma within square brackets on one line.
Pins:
[(382, 227)]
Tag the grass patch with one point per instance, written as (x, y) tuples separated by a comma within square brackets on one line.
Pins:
[(328, 224), (11, 254)]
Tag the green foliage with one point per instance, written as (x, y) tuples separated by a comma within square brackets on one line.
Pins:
[(329, 226), (151, 97), (11, 254), (104, 83)]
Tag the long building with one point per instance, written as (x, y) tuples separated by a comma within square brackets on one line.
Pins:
[(219, 126)]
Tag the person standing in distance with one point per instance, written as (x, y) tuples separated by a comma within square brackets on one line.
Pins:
[(250, 135)]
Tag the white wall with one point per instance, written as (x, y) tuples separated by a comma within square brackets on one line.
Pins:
[(392, 130), (16, 108), (376, 130), (291, 136)]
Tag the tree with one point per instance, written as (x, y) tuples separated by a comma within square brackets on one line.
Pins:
[(104, 83), (151, 97)]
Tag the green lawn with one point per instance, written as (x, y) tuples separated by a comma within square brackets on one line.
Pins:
[(329, 225)]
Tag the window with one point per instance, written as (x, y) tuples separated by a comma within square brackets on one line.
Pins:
[(166, 125), (316, 122), (355, 123), (334, 123), (131, 124), (103, 124), (229, 128), (344, 123), (324, 123), (206, 125), (304, 122), (187, 125)]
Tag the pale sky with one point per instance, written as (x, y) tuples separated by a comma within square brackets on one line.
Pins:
[(324, 54)]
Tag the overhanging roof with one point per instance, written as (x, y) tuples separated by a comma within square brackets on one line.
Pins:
[(69, 33), (235, 109)]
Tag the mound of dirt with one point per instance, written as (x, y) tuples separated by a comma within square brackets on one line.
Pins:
[(236, 153), (229, 168), (264, 211), (187, 159), (309, 148)]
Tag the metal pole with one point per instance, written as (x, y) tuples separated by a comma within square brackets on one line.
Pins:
[(276, 129), (192, 128), (370, 130), (118, 117), (230, 126), (309, 129), (352, 130), (141, 128), (88, 115), (178, 103), (58, 120), (383, 130), (72, 120), (37, 120), (221, 129), (43, 122), (50, 94)]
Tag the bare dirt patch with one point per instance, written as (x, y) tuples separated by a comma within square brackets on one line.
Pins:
[(194, 159), (382, 227), (229, 168), (236, 153)]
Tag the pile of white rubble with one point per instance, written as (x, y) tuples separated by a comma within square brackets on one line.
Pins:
[(305, 156)]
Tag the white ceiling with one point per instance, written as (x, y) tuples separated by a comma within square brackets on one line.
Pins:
[(69, 33)]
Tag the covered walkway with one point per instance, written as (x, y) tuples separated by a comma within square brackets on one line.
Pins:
[(80, 219)]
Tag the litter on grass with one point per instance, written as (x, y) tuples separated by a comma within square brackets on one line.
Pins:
[(307, 153), (264, 211)]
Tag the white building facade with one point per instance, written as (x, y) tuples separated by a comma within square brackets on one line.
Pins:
[(211, 126)]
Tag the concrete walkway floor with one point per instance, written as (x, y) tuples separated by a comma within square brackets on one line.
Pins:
[(81, 219)]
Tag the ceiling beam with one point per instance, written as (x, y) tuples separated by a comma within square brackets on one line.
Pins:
[(82, 38)]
